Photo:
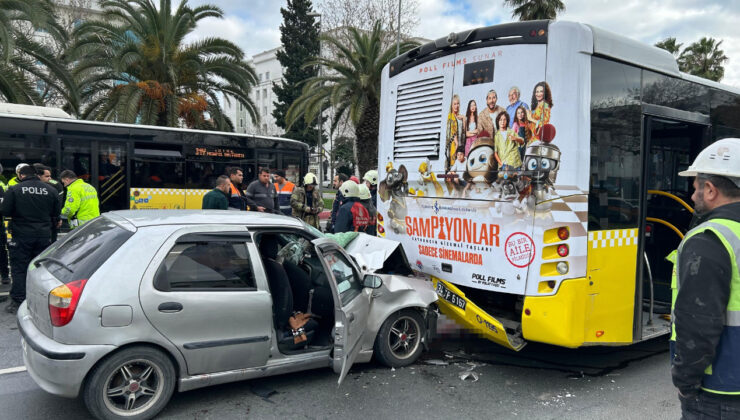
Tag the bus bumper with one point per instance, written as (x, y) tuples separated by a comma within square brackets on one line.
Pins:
[(457, 307), (559, 319)]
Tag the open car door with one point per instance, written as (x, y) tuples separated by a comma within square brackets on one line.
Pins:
[(351, 303)]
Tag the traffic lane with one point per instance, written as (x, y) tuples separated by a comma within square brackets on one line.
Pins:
[(593, 383), (11, 354)]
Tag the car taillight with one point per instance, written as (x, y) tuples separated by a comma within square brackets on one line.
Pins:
[(563, 250), (63, 302), (563, 233)]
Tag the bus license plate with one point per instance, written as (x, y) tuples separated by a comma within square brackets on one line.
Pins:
[(450, 296)]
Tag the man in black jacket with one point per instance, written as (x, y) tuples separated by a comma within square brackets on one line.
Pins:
[(706, 313), (34, 209)]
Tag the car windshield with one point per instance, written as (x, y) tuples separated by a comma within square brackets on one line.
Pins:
[(313, 230)]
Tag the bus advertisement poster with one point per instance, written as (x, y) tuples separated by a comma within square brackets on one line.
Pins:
[(472, 206)]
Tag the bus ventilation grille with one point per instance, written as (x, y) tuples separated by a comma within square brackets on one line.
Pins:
[(418, 112)]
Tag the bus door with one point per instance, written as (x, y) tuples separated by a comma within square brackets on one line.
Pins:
[(671, 141), (112, 176)]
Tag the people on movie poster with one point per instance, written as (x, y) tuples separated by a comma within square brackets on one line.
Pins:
[(488, 114), (455, 130), (542, 104), (514, 102), (502, 135), (507, 144), (471, 125)]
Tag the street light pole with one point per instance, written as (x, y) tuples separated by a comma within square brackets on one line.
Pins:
[(398, 31), (319, 143)]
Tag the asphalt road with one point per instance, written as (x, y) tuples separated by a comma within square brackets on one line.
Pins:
[(540, 382)]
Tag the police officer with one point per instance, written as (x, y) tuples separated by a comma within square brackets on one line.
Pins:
[(14, 180), (33, 208), (81, 204), (705, 334)]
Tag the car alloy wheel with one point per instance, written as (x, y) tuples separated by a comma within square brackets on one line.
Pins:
[(404, 337), (133, 387)]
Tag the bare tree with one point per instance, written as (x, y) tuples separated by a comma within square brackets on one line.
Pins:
[(338, 15)]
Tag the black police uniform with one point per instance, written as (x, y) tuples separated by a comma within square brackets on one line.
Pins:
[(34, 208), (3, 245)]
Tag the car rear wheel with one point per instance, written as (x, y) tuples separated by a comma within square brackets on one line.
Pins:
[(135, 383), (399, 340)]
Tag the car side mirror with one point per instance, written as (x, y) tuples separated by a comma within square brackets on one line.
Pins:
[(371, 281)]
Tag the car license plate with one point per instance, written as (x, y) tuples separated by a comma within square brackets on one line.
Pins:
[(450, 296)]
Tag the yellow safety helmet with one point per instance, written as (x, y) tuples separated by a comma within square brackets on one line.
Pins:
[(364, 192), (309, 179), (349, 189), (371, 176)]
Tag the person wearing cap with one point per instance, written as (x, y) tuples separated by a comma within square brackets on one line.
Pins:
[(352, 216), (16, 178), (81, 204), (366, 200), (306, 201), (33, 208), (371, 180), (284, 190), (705, 330)]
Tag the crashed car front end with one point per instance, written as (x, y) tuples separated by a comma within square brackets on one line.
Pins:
[(402, 288)]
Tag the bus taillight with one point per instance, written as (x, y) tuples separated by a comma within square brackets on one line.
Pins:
[(563, 250), (563, 234)]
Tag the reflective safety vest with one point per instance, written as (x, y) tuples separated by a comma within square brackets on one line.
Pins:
[(284, 194), (82, 203), (721, 377)]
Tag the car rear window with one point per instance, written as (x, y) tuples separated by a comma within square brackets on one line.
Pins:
[(84, 250)]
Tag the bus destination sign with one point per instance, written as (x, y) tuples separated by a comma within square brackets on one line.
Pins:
[(219, 152)]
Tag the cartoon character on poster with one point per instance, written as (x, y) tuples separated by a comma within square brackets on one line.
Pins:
[(395, 188), (541, 163), (481, 168), (428, 184)]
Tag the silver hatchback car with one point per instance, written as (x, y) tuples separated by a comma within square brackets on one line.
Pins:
[(135, 304)]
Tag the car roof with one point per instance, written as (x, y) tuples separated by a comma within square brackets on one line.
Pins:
[(142, 218)]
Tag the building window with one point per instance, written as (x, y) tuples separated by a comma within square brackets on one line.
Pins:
[(257, 95), (267, 75), (260, 77), (264, 93), (264, 110), (241, 122)]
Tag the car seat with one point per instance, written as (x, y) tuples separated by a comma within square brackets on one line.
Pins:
[(282, 297)]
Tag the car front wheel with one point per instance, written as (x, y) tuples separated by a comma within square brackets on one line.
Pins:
[(399, 340), (135, 383)]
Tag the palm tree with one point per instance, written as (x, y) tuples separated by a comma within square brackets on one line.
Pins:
[(669, 44), (704, 59), (350, 82), (535, 9), (25, 61), (133, 66)]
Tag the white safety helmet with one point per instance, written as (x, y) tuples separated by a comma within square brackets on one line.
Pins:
[(371, 176), (309, 179), (364, 192), (349, 189), (19, 166), (719, 158)]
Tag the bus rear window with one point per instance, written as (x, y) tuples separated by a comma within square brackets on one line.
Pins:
[(85, 249), (477, 73)]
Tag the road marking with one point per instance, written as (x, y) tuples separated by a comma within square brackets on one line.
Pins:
[(12, 370)]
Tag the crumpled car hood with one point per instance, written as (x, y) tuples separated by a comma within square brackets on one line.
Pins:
[(372, 252)]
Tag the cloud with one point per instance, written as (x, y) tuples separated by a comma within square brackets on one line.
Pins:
[(254, 24)]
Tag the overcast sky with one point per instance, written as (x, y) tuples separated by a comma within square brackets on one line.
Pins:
[(254, 24)]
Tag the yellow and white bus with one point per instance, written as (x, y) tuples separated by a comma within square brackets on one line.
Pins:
[(531, 169), (136, 166)]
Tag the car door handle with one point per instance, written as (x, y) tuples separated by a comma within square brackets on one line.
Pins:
[(170, 307)]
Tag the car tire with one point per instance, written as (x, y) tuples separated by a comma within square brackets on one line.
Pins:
[(135, 384), (399, 341)]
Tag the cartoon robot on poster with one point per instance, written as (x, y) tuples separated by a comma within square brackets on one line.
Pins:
[(541, 165), (395, 187)]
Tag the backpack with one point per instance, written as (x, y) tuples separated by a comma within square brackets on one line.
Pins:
[(360, 217)]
